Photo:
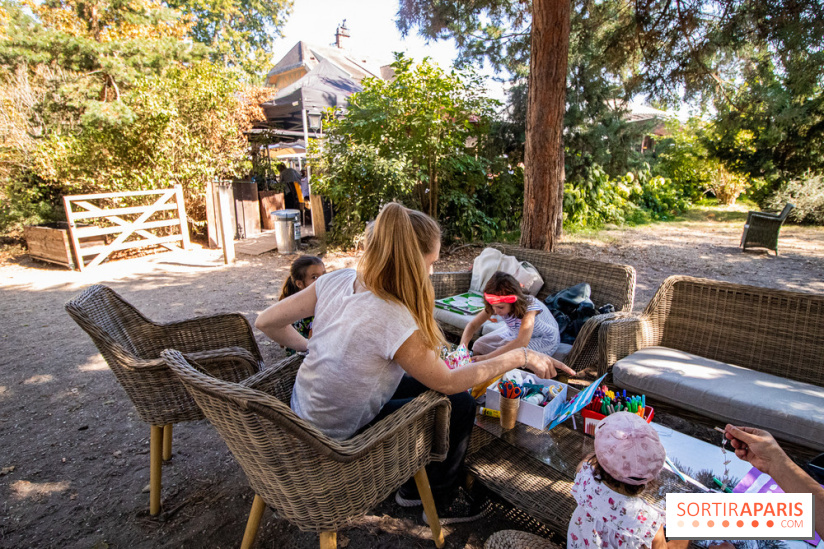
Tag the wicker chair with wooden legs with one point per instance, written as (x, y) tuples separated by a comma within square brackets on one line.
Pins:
[(131, 345), (317, 483), (761, 229)]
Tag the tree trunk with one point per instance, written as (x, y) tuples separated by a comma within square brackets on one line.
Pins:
[(544, 162)]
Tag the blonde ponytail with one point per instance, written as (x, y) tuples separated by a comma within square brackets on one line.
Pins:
[(393, 266)]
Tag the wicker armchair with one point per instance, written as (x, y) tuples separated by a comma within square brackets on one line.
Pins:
[(131, 345), (317, 483), (761, 229), (610, 282)]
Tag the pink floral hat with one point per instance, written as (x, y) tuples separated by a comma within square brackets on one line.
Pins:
[(628, 448)]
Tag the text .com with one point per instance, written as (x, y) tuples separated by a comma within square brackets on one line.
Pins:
[(740, 516)]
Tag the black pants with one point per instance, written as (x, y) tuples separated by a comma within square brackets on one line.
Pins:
[(443, 476)]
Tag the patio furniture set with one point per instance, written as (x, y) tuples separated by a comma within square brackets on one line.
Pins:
[(731, 352)]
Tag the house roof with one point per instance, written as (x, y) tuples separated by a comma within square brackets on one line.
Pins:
[(326, 86), (309, 56)]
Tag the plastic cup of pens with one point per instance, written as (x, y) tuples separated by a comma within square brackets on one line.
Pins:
[(606, 402)]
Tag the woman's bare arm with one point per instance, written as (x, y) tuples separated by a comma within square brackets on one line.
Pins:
[(424, 365), (276, 321)]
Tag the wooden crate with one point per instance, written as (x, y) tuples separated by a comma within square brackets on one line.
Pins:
[(269, 202), (51, 243)]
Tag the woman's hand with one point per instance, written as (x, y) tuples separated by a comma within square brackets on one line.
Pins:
[(757, 447), (544, 365)]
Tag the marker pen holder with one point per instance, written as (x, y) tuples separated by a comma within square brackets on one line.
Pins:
[(592, 418)]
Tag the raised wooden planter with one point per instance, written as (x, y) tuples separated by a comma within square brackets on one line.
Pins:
[(51, 243)]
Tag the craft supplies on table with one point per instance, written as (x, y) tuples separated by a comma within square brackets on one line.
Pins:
[(457, 358), (605, 402), (526, 386)]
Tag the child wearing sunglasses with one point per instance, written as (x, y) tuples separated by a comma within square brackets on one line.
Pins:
[(527, 321)]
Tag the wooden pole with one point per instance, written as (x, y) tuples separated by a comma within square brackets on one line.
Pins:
[(167, 442), (181, 214), (226, 230), (155, 467), (422, 482), (253, 523)]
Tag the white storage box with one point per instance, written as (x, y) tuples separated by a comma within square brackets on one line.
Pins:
[(528, 413)]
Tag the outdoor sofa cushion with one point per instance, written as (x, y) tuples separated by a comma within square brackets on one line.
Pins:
[(460, 321), (792, 410)]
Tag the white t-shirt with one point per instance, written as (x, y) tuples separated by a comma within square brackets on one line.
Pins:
[(349, 373)]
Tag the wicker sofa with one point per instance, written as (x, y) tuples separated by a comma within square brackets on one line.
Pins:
[(740, 354), (610, 282)]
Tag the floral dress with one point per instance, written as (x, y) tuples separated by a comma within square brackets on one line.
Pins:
[(605, 518)]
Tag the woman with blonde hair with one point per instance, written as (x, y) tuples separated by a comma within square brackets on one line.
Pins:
[(375, 324)]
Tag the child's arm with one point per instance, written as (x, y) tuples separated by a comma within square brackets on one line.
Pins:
[(524, 335), (473, 326)]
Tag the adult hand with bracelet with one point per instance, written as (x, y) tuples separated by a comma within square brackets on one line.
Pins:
[(544, 365)]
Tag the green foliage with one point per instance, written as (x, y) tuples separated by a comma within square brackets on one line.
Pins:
[(806, 193), (632, 198), (772, 126), (240, 33), (418, 139), (111, 99)]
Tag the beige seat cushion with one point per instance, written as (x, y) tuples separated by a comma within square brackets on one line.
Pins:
[(791, 410), (460, 321)]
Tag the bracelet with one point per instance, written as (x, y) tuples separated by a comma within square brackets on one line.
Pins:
[(526, 356)]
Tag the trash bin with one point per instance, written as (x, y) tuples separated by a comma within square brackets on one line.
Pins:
[(287, 230)]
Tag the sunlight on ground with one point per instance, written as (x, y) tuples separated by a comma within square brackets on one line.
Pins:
[(40, 378), (4, 392), (191, 261), (95, 364), (23, 489)]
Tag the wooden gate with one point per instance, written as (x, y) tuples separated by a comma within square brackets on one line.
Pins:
[(168, 200)]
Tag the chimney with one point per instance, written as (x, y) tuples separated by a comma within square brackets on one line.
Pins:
[(342, 36)]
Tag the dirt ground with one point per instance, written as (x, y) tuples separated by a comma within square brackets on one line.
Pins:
[(74, 462)]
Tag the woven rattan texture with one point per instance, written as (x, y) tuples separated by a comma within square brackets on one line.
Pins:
[(131, 345), (317, 483), (610, 283), (761, 229), (534, 471), (525, 483), (515, 539), (773, 331)]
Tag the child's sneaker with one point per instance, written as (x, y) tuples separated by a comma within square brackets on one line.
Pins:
[(462, 508), (407, 496)]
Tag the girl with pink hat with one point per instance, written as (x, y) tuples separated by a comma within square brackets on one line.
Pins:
[(608, 486)]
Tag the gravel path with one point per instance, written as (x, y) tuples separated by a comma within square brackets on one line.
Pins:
[(74, 462)]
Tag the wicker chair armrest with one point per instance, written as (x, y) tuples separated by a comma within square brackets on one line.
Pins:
[(584, 352), (344, 451), (237, 362), (213, 331), (449, 284), (621, 337), (278, 379)]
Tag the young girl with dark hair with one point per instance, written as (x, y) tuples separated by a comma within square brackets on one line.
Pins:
[(302, 274), (528, 323)]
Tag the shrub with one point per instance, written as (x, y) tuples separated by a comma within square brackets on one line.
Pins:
[(807, 195)]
